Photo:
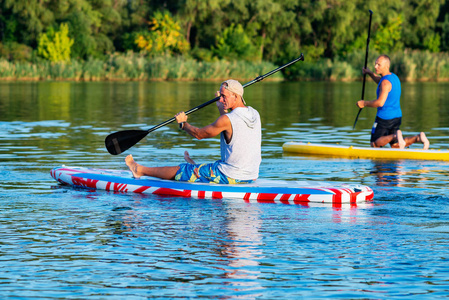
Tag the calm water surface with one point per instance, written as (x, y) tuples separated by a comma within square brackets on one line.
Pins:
[(58, 242)]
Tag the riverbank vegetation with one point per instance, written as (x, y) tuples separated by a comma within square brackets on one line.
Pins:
[(213, 40)]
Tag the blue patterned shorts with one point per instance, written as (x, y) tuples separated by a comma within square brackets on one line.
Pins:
[(208, 173)]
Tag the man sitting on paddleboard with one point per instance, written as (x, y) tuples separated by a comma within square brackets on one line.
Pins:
[(389, 115), (240, 132)]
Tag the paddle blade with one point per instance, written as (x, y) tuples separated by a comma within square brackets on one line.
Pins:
[(121, 141)]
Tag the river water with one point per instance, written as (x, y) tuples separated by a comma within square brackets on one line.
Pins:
[(59, 242)]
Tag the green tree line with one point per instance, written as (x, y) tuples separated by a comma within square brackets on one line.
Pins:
[(331, 33)]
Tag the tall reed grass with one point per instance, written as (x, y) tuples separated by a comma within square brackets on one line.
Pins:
[(133, 66), (408, 65)]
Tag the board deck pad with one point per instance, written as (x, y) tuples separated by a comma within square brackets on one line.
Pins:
[(263, 190), (364, 152)]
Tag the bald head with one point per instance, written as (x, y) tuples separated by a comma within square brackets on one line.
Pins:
[(382, 65), (386, 59)]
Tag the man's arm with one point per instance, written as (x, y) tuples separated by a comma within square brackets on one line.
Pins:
[(221, 124), (385, 88), (372, 75)]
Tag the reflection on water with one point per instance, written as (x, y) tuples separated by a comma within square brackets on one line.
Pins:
[(243, 249), (388, 173), (59, 242), (402, 174)]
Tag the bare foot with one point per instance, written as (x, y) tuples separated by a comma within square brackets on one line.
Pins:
[(188, 159), (423, 139), (132, 165), (401, 140)]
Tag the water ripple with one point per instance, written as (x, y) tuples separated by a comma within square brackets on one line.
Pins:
[(59, 242)]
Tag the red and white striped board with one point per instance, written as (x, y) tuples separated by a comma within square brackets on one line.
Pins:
[(271, 191)]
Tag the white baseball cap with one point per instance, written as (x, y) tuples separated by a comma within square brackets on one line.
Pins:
[(235, 87)]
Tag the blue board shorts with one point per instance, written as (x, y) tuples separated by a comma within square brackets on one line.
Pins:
[(208, 173), (383, 127)]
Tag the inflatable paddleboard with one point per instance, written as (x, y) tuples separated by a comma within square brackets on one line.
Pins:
[(273, 191), (364, 152)]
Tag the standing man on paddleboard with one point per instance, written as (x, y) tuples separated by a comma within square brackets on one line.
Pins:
[(240, 133), (389, 115)]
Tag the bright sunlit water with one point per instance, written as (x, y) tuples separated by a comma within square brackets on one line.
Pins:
[(58, 242)]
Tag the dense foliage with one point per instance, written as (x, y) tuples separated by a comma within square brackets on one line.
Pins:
[(213, 30)]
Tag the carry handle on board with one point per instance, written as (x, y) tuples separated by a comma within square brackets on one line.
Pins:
[(121, 141)]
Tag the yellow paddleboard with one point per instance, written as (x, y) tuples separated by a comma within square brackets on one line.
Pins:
[(364, 152)]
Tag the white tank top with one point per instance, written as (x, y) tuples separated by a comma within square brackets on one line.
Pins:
[(241, 158)]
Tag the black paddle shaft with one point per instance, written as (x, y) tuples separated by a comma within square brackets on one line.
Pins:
[(121, 141), (366, 63)]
